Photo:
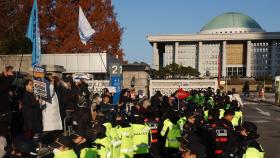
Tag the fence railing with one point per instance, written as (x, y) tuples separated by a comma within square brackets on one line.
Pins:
[(167, 87)]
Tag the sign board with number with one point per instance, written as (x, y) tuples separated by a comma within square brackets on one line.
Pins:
[(116, 80), (115, 69)]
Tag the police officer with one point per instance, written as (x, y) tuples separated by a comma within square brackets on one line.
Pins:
[(141, 137), (247, 145), (80, 140), (125, 132), (63, 147), (194, 134), (115, 140), (170, 131), (189, 149), (224, 135), (238, 115), (102, 142)]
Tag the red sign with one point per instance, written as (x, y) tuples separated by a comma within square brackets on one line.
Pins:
[(182, 94)]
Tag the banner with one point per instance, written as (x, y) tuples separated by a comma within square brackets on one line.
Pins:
[(33, 34), (40, 84), (85, 29)]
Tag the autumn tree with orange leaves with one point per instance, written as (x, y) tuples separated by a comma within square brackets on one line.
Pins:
[(59, 26)]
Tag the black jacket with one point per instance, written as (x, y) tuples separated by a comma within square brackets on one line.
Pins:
[(59, 90), (5, 88), (32, 113)]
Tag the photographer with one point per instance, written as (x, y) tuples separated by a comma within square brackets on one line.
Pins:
[(106, 110)]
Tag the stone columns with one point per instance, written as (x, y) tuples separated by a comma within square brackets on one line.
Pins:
[(273, 58), (155, 56), (248, 59), (176, 54), (224, 59), (200, 59)]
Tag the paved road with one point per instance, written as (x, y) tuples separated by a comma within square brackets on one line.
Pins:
[(267, 118)]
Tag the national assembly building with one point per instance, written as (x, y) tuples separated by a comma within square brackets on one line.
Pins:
[(232, 41)]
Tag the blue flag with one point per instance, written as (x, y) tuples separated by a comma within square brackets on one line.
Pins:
[(33, 33)]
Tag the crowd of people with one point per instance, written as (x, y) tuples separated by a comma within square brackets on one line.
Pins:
[(73, 122)]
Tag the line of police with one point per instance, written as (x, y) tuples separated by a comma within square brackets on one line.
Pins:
[(203, 124)]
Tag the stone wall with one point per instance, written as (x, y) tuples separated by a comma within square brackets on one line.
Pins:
[(14, 60), (141, 80)]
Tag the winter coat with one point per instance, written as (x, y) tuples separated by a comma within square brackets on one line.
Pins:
[(59, 90), (236, 96), (31, 111), (5, 87), (51, 114)]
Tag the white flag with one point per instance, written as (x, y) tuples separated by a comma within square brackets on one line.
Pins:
[(85, 30)]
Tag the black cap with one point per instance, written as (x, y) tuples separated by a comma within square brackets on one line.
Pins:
[(229, 112), (63, 141), (24, 145), (68, 79), (79, 133), (190, 114), (249, 127)]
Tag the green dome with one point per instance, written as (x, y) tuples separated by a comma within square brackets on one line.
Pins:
[(232, 20)]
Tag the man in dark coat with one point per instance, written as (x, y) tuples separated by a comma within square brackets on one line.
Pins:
[(82, 113), (31, 111), (6, 80)]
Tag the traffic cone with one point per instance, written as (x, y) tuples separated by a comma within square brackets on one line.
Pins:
[(261, 94)]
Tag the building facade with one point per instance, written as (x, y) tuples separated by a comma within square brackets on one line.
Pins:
[(232, 44), (93, 63)]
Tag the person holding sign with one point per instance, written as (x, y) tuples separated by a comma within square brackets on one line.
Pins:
[(31, 111), (52, 121)]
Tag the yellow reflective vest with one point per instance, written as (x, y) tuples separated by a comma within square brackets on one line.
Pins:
[(253, 153), (237, 119), (115, 142), (206, 115), (66, 154), (126, 137), (181, 122), (222, 111), (89, 153), (108, 127), (141, 138), (104, 151), (173, 133)]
